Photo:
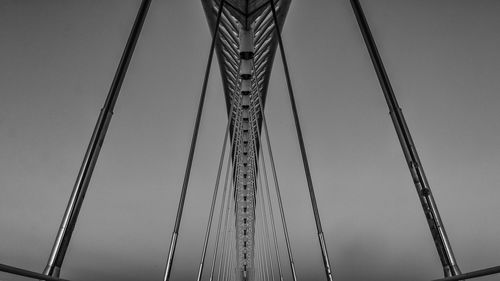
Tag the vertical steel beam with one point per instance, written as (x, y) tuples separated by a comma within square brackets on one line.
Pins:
[(326, 259), (70, 217), (173, 242), (436, 226)]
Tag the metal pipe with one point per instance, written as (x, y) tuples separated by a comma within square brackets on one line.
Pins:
[(27, 273), (173, 244), (436, 226), (75, 202), (326, 259), (473, 274)]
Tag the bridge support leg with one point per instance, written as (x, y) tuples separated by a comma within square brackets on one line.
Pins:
[(436, 226), (187, 173), (82, 182), (326, 259)]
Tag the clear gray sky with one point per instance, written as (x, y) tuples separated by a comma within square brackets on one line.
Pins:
[(57, 60)]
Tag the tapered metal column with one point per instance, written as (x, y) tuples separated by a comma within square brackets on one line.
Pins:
[(173, 242), (326, 259), (436, 226), (70, 217)]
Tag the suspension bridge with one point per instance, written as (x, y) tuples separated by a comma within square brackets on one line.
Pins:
[(246, 38)]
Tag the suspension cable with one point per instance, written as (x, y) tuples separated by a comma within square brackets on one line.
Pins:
[(271, 214), (266, 228), (223, 210), (173, 243), (230, 256), (263, 209), (264, 252), (324, 252), (226, 237), (260, 259), (229, 195), (216, 189), (214, 199), (223, 207), (276, 185), (258, 244)]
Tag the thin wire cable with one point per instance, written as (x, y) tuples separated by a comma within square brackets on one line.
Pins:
[(321, 238), (232, 251), (227, 238), (271, 213), (175, 233), (258, 249), (225, 248), (225, 211), (223, 208), (265, 221), (214, 196), (262, 209), (259, 259), (229, 262), (216, 188), (225, 261), (228, 218), (265, 266), (266, 229), (276, 185)]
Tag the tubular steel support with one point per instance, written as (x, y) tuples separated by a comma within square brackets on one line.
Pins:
[(473, 274), (185, 183), (326, 259), (70, 217), (26, 273), (436, 226)]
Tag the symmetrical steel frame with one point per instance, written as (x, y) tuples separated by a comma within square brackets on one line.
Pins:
[(262, 20)]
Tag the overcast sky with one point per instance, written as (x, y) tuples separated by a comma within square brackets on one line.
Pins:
[(58, 58)]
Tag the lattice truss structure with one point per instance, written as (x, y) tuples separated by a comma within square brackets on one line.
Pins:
[(245, 46)]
